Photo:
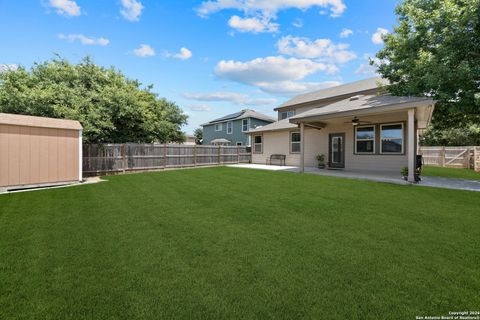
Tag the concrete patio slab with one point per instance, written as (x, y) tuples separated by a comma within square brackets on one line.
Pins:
[(378, 176)]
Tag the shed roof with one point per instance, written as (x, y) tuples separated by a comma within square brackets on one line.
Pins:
[(220, 140), (41, 122), (344, 89)]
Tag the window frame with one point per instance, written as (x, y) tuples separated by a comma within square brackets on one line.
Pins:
[(255, 144), (374, 139), (248, 125), (403, 138), (220, 125), (296, 142), (292, 112), (231, 127)]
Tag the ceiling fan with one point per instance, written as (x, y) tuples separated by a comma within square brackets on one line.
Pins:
[(355, 121)]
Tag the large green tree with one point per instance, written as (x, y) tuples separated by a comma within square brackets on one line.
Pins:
[(435, 50), (111, 107)]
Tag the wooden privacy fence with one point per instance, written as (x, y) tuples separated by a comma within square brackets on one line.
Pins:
[(455, 157), (101, 159)]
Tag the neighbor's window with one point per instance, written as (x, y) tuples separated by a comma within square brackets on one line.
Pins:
[(365, 139), (391, 136), (218, 127), (245, 125), (229, 127), (286, 114), (239, 143), (295, 142), (257, 144)]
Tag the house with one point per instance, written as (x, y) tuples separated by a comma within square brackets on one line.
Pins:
[(232, 129), (357, 126)]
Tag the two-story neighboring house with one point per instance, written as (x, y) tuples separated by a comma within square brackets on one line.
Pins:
[(232, 129)]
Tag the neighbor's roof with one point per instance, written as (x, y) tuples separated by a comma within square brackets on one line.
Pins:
[(344, 89), (363, 103), (220, 140), (41, 122), (279, 125), (246, 113)]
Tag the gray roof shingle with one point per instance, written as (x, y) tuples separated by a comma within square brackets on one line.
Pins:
[(246, 113)]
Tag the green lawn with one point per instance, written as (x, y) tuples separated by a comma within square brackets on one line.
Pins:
[(226, 243), (450, 173)]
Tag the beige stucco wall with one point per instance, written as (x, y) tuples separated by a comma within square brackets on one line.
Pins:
[(34, 155), (316, 141)]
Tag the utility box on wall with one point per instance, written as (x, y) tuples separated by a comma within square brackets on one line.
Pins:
[(37, 151)]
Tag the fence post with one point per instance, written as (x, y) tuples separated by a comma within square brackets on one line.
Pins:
[(238, 154), (475, 159), (219, 154), (195, 155), (442, 156), (164, 156), (124, 157)]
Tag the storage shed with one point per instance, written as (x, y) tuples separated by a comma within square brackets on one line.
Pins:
[(37, 151)]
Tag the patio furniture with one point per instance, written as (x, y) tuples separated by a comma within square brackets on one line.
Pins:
[(280, 157)]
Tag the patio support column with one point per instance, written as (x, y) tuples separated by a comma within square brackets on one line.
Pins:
[(411, 145), (302, 147)]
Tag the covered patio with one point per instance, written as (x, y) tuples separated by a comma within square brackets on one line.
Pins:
[(377, 176)]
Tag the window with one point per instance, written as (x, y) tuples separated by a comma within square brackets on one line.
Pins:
[(391, 138), (239, 143), (257, 144), (286, 114), (218, 127), (229, 127), (295, 142), (365, 139), (245, 125)]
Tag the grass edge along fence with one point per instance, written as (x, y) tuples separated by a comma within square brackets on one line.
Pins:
[(103, 159), (454, 157)]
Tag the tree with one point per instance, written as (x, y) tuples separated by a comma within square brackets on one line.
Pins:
[(435, 51), (110, 107), (198, 134)]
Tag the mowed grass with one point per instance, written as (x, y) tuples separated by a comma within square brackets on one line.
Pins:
[(227, 243), (450, 173)]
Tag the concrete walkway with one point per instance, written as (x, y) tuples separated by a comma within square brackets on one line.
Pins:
[(378, 176)]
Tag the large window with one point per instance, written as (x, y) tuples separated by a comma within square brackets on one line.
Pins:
[(229, 127), (257, 144), (365, 139), (218, 127), (245, 125), (295, 142), (286, 114), (391, 138)]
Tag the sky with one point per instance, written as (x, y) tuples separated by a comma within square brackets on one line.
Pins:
[(210, 57)]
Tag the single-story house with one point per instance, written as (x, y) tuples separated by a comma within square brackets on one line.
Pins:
[(232, 129), (356, 126)]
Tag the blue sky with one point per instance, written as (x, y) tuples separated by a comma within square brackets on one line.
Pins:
[(211, 57)]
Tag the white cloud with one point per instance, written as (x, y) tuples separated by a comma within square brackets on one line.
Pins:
[(254, 25), (233, 97), (270, 69), (322, 49), (144, 51), (297, 23), (259, 14), (131, 9), (8, 67), (346, 33), (377, 36), (290, 88), (366, 69), (184, 54), (269, 7), (200, 108), (84, 39), (65, 7)]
